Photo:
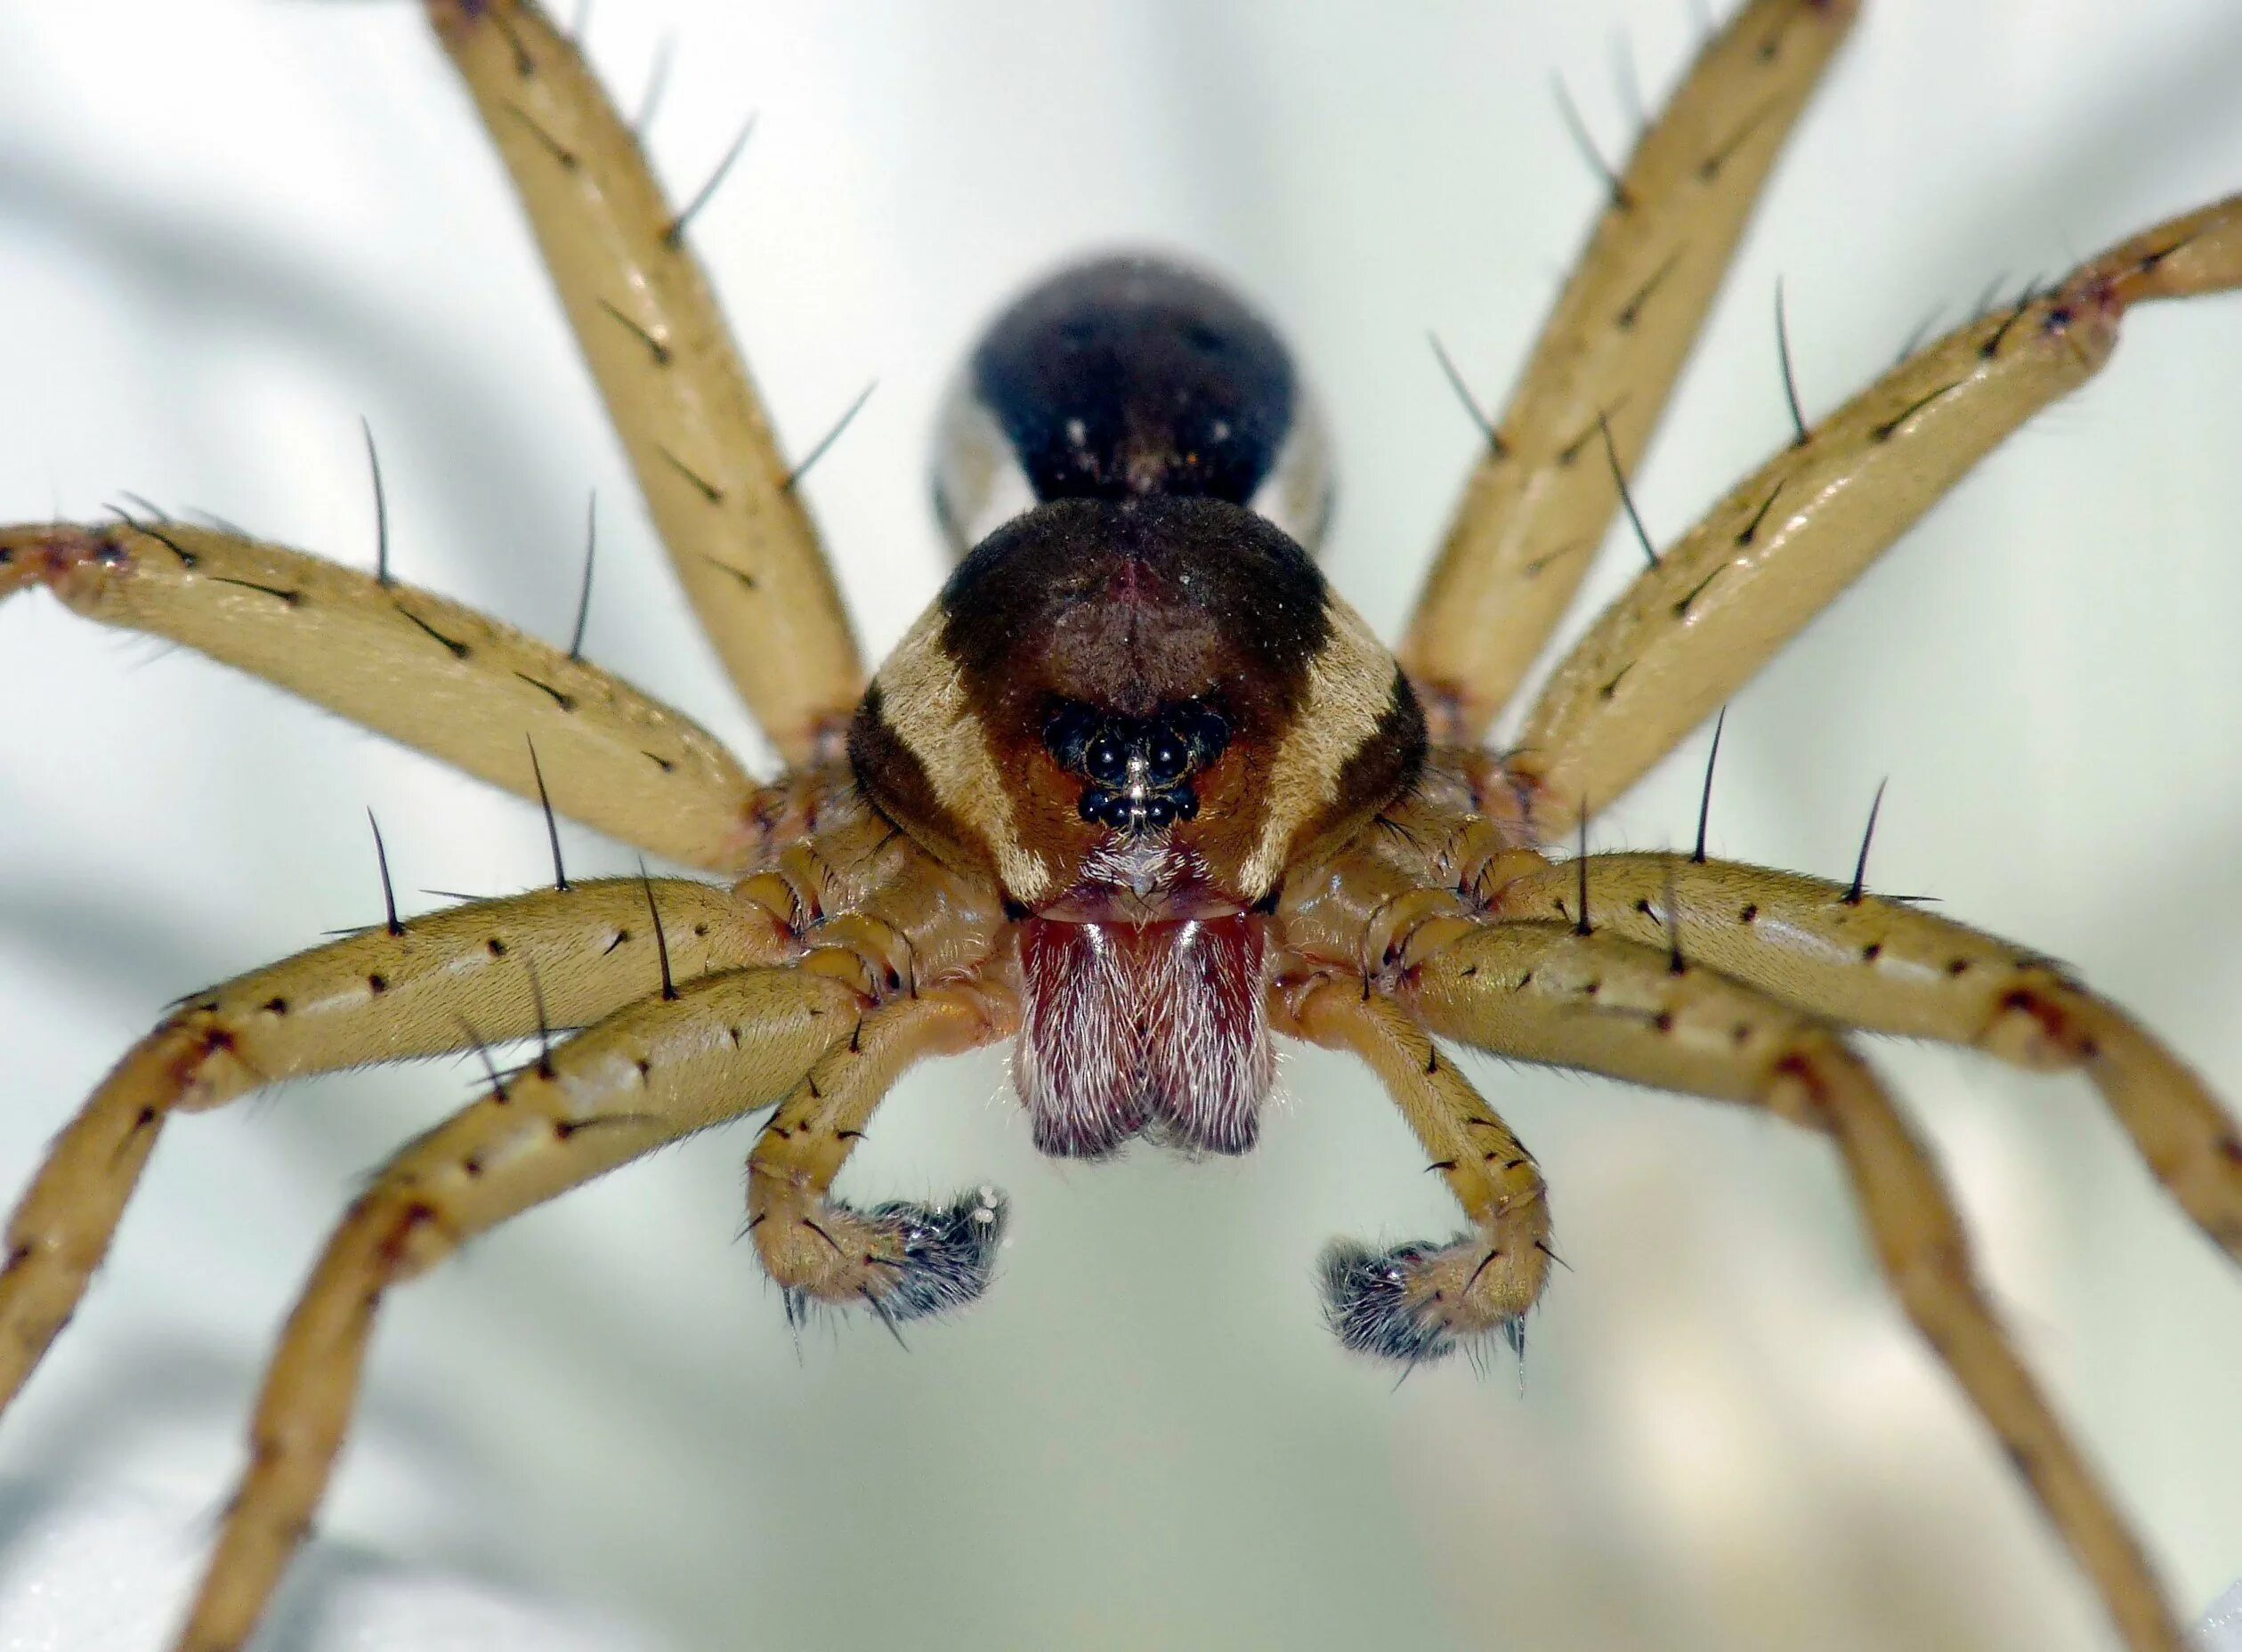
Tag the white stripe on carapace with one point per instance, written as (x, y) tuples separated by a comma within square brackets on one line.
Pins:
[(1350, 689), (923, 699)]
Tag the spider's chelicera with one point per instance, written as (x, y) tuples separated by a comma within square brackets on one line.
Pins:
[(1138, 793)]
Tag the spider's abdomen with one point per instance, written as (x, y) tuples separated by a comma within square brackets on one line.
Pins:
[(1121, 378)]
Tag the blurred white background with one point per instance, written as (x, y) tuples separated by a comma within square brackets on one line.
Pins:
[(228, 230)]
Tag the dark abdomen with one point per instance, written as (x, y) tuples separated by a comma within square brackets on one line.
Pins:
[(1123, 378)]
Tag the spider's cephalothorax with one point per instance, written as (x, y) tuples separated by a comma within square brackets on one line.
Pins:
[(1136, 702), (1140, 790)]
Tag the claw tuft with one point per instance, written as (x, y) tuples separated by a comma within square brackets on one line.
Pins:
[(947, 1255)]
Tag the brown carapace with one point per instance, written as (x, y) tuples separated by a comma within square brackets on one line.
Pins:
[(1139, 792)]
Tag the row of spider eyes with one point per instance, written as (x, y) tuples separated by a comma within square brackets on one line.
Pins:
[(1137, 766), (1156, 752)]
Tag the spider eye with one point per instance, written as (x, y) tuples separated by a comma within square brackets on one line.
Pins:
[(1138, 767), (1166, 757), (1106, 761), (1068, 735), (1202, 729), (1109, 809)]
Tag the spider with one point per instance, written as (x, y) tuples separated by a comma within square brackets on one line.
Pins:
[(1619, 918)]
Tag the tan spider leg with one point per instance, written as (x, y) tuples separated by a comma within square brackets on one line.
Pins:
[(720, 492), (1492, 1278), (1787, 539), (829, 1251), (1889, 968), (1544, 993), (648, 1075), (438, 677), (1540, 500), (434, 986)]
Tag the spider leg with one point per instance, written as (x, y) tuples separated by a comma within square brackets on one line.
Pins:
[(1788, 539), (493, 969), (1419, 1301), (905, 1260), (1886, 967), (1537, 504), (722, 495), (1546, 993), (650, 1073), (424, 670)]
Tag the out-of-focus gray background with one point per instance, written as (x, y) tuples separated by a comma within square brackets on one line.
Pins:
[(228, 230)]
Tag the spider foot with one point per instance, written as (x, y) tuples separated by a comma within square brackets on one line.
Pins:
[(903, 1261), (938, 1260), (1423, 1302)]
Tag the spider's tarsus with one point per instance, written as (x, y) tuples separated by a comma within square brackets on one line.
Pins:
[(1368, 1303), (949, 1255), (943, 1258)]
